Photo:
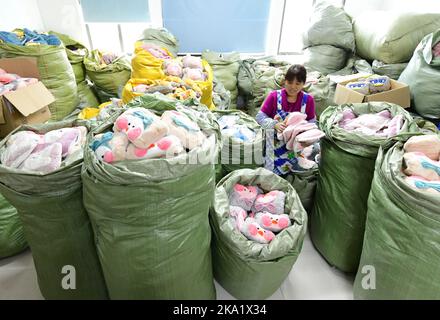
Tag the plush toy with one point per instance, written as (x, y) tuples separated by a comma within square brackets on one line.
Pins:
[(309, 137), (418, 164), (110, 147), (305, 164), (184, 128), (227, 121), (18, 148), (379, 83), (272, 202), (436, 50), (374, 122), (155, 51), (193, 74), (253, 231), (361, 87), (238, 216), (167, 147), (427, 144), (192, 62), (173, 68), (68, 137), (45, 160), (347, 116), (142, 127), (295, 118), (273, 222), (243, 196), (239, 133), (394, 126), (422, 184), (292, 131)]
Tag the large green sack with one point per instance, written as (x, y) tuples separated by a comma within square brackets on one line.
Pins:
[(12, 240), (392, 36), (111, 78), (221, 98), (304, 183), (150, 217), (322, 89), (423, 77), (86, 95), (345, 172), (247, 269), (56, 225), (329, 25), (325, 59), (392, 70), (161, 37), (237, 155), (225, 67), (402, 240), (56, 73)]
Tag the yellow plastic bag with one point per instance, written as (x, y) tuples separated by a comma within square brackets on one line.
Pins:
[(207, 86), (145, 65), (90, 113)]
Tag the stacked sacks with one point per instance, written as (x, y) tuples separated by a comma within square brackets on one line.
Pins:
[(56, 73), (423, 77), (76, 52), (392, 70), (225, 67), (401, 232), (242, 142), (246, 268), (322, 89), (109, 73), (55, 222), (338, 219), (170, 86), (12, 240), (150, 216), (326, 49)]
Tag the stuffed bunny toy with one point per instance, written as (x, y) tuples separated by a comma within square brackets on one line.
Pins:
[(110, 147), (141, 126), (184, 128), (253, 231), (166, 147), (427, 144), (273, 222), (192, 62), (243, 196), (272, 202), (418, 164), (45, 160), (18, 148)]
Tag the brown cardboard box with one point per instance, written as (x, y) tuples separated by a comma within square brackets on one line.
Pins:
[(398, 94), (28, 105)]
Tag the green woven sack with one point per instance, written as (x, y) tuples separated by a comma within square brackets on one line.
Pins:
[(325, 59), (12, 240), (345, 172), (56, 225), (247, 269), (392, 70), (161, 37)]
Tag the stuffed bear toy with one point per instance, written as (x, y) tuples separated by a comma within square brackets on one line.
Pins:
[(418, 164), (379, 83), (110, 147), (44, 160), (184, 128), (243, 196), (273, 222), (141, 126), (427, 144), (18, 148), (192, 62), (422, 184), (253, 231), (173, 68), (272, 202), (166, 147)]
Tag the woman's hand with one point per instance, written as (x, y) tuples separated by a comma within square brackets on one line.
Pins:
[(280, 126)]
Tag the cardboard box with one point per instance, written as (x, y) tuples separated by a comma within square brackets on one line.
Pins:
[(27, 105), (398, 94)]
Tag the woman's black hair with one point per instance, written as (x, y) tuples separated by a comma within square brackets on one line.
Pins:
[(297, 72)]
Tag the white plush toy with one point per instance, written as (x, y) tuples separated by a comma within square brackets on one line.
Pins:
[(273, 222)]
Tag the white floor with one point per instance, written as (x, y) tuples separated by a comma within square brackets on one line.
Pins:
[(311, 278)]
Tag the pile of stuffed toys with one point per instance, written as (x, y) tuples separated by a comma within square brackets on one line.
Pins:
[(381, 124), (266, 212), (370, 85), (421, 163), (232, 127), (11, 82), (188, 67), (140, 134), (44, 153)]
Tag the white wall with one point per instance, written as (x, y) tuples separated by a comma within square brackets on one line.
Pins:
[(20, 14)]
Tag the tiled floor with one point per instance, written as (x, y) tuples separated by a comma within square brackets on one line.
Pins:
[(311, 278)]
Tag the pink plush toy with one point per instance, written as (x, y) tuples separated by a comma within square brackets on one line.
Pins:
[(253, 231), (291, 132), (373, 122), (243, 196), (18, 148), (192, 62), (295, 118), (273, 222), (436, 50), (45, 160), (173, 68), (142, 127), (309, 137), (156, 51), (167, 147), (272, 202), (110, 147), (193, 74), (422, 184), (394, 126), (184, 128), (238, 216), (418, 164), (347, 116), (68, 137), (427, 144)]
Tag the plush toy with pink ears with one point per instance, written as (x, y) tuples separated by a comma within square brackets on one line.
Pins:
[(166, 147), (141, 126), (272, 202), (243, 196), (110, 147), (273, 222), (253, 231)]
